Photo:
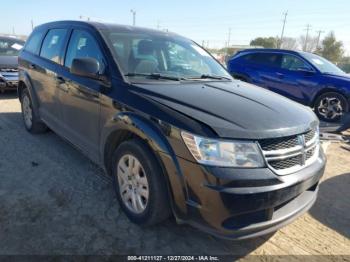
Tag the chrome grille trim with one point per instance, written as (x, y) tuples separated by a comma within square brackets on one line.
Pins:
[(300, 156)]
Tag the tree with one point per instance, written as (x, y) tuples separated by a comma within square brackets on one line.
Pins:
[(344, 64), (331, 48), (266, 42)]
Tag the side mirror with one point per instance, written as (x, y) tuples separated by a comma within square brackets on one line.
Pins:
[(86, 67)]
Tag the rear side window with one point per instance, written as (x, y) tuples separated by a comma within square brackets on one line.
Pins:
[(53, 45), (34, 42), (266, 59), (82, 45)]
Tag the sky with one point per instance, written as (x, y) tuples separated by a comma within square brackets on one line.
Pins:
[(207, 21)]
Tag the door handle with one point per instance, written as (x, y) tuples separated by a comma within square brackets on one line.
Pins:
[(280, 75)]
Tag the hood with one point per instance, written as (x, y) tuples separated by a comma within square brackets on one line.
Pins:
[(233, 109), (8, 61), (343, 77)]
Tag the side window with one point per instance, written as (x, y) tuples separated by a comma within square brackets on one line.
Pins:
[(34, 41), (82, 45), (53, 44), (292, 63), (266, 59)]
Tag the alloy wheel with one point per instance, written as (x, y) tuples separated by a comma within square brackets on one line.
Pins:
[(27, 111), (133, 184), (330, 108)]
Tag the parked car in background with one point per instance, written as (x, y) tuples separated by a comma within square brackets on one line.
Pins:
[(9, 50), (303, 77), (175, 131)]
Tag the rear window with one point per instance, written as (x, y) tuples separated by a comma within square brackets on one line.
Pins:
[(34, 42), (10, 47), (266, 59), (52, 48)]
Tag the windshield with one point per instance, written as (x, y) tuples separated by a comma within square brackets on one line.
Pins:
[(10, 47), (323, 65), (142, 54)]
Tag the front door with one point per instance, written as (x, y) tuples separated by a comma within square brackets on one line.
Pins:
[(80, 98), (297, 79)]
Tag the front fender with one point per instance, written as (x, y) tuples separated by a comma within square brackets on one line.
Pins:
[(154, 134)]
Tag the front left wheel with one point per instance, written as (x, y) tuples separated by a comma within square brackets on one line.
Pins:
[(140, 184), (331, 106)]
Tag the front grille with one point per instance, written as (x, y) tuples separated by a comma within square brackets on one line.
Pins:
[(289, 154), (279, 143), (286, 163)]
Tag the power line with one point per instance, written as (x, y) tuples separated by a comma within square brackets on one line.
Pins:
[(284, 24)]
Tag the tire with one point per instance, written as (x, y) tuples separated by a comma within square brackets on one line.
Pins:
[(157, 207), (31, 121), (331, 106)]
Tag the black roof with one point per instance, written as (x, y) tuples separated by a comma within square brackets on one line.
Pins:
[(109, 26)]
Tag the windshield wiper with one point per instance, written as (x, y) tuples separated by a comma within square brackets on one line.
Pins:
[(206, 76), (155, 76)]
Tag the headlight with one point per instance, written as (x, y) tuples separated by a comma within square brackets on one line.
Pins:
[(224, 153)]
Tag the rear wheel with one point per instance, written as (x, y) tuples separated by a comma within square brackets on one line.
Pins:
[(31, 121), (139, 183), (331, 106)]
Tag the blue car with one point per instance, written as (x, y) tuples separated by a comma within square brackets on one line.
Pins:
[(303, 77)]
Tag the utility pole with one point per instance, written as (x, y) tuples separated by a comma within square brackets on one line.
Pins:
[(158, 24), (32, 23), (284, 24), (308, 27), (13, 30), (318, 37), (133, 17), (228, 40)]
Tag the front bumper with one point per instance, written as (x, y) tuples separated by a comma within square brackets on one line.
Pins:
[(244, 203), (8, 81)]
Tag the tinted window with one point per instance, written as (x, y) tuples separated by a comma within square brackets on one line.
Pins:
[(33, 43), (53, 43), (292, 63), (267, 59), (82, 45)]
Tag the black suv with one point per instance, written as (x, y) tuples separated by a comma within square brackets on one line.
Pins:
[(169, 124), (9, 49)]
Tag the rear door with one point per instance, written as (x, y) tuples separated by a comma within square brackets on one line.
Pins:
[(261, 68), (80, 96), (45, 77)]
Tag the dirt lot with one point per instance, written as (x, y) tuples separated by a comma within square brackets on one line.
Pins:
[(54, 201)]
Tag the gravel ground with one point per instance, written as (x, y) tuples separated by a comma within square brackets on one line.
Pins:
[(53, 200)]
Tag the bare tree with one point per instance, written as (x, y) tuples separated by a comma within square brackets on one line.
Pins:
[(290, 43), (311, 44)]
